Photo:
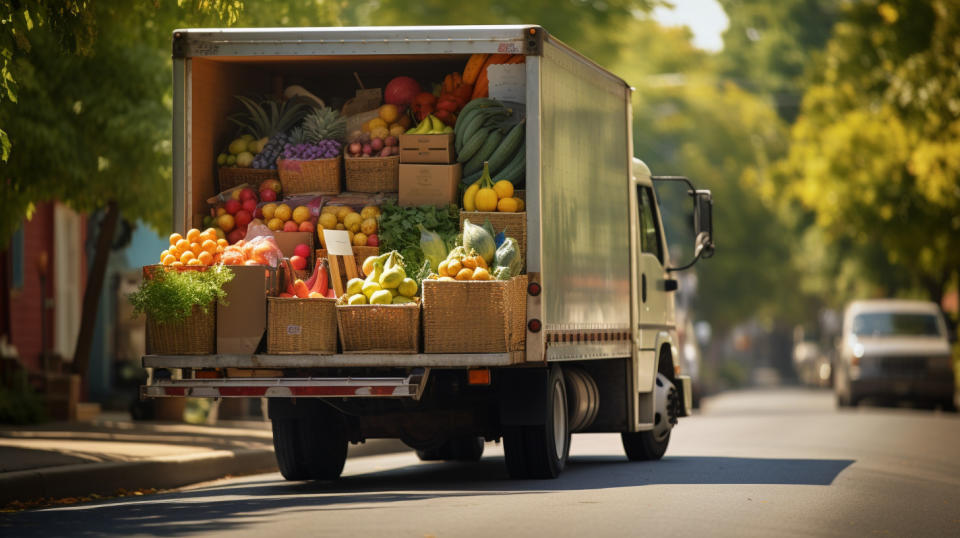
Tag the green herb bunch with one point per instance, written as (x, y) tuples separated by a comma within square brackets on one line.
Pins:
[(398, 230), (169, 296)]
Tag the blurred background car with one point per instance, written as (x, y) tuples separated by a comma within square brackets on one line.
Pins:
[(894, 349)]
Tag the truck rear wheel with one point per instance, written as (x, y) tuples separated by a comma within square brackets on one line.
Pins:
[(461, 448), (309, 448), (541, 450), (652, 444)]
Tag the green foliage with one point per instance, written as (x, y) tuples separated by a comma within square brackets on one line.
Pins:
[(170, 295), (399, 230), (19, 403), (873, 153)]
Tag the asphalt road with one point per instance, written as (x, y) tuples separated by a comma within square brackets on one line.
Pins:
[(771, 463)]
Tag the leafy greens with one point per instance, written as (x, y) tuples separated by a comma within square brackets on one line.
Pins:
[(399, 231)]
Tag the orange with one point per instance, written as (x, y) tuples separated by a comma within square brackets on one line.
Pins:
[(174, 238), (169, 259), (186, 257), (388, 113), (196, 248), (194, 262), (177, 263), (209, 246), (222, 242), (206, 258), (193, 235), (183, 245), (164, 254)]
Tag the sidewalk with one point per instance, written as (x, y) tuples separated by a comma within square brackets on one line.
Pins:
[(59, 460)]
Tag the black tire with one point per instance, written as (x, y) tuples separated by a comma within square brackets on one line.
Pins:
[(461, 448), (541, 450), (643, 446), (309, 448)]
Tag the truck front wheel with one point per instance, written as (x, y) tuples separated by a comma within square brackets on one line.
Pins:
[(541, 450), (652, 444), (309, 448)]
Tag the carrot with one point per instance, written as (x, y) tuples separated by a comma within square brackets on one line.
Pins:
[(472, 69), (482, 87)]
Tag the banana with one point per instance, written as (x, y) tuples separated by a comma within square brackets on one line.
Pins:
[(489, 146), (515, 170), (436, 126), (470, 195), (486, 117), (471, 146), (421, 127), (508, 148)]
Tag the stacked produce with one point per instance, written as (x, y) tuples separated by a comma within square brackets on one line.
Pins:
[(479, 258), (263, 124), (430, 125), (485, 195), (479, 138), (386, 282), (260, 250), (197, 248), (283, 218), (400, 230), (316, 287), (318, 137), (378, 137), (361, 227)]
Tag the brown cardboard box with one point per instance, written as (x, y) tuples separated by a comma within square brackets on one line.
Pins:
[(428, 184), (426, 148), (289, 241), (242, 321)]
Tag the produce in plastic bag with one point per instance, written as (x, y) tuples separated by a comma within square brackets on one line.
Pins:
[(478, 239), (432, 246)]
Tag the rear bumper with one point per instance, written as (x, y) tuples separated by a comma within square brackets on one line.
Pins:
[(923, 388)]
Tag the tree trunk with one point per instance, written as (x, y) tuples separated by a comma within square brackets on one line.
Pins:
[(91, 293)]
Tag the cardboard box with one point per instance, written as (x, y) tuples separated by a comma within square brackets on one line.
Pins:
[(428, 184), (426, 148), (242, 322), (289, 241)]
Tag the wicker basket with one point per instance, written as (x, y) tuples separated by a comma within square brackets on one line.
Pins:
[(515, 223), (231, 176), (372, 174), (494, 322), (321, 176), (196, 335), (379, 328), (301, 326)]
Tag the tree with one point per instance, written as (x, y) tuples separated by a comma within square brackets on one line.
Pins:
[(874, 150)]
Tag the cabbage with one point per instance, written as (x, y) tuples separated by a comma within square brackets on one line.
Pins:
[(477, 239)]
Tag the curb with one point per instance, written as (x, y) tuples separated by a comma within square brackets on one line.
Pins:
[(84, 479)]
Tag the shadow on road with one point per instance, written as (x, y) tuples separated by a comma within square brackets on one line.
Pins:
[(223, 507)]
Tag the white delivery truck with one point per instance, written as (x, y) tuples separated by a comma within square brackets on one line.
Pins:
[(600, 352)]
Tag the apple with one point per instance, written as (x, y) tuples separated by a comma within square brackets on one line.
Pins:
[(232, 206), (235, 236), (302, 250), (298, 262), (235, 195), (271, 184), (307, 226), (267, 195), (258, 213), (226, 222), (250, 204), (243, 218), (248, 194), (290, 226), (373, 240)]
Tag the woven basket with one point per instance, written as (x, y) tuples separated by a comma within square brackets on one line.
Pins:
[(494, 322), (321, 176), (515, 223), (231, 176), (301, 326), (196, 335), (372, 174), (379, 328)]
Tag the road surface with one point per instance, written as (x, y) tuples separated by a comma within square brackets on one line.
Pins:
[(764, 463)]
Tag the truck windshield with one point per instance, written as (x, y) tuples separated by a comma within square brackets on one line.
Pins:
[(895, 324)]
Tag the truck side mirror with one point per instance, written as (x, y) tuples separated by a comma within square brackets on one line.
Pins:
[(703, 223)]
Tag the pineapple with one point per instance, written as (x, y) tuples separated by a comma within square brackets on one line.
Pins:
[(268, 117), (324, 124)]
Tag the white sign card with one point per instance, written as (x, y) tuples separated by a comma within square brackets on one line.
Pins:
[(338, 242), (508, 82)]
